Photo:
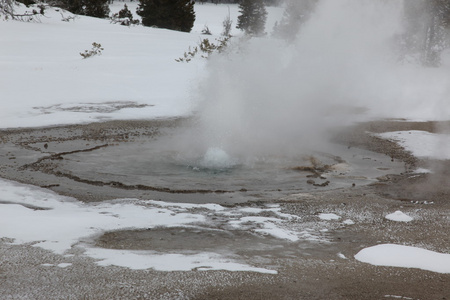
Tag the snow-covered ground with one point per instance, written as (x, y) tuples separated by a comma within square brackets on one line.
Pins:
[(45, 81), (422, 144)]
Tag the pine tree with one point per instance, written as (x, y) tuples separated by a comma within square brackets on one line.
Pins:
[(253, 17), (27, 2), (92, 8), (96, 8), (124, 17), (427, 23), (295, 14), (170, 14)]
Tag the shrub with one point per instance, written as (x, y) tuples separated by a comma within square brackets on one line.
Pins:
[(124, 17), (96, 50)]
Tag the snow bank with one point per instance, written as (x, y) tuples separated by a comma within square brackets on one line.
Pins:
[(405, 256)]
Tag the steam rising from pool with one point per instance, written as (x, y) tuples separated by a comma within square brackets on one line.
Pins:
[(268, 97)]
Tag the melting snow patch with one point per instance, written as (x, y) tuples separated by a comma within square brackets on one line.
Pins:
[(422, 171), (405, 256), (329, 217), (68, 222), (399, 216), (348, 222), (47, 265), (140, 260)]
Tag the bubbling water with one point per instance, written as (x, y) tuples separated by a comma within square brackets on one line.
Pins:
[(216, 158)]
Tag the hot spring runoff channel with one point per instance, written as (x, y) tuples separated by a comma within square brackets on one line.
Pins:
[(213, 175)]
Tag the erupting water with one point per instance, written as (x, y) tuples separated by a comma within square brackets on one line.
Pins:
[(216, 158)]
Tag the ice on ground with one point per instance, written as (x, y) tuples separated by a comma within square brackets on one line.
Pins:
[(423, 171), (348, 222), (391, 255), (398, 297), (421, 143), (329, 217), (399, 216), (140, 260)]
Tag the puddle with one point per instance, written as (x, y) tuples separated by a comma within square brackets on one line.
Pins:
[(104, 161)]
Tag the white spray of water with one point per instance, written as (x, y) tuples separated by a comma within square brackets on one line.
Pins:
[(216, 158), (271, 98)]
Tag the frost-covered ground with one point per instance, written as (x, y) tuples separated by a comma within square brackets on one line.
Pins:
[(44, 82)]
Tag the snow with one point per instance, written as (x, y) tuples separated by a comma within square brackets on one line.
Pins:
[(140, 260), (422, 143), (33, 215), (64, 265), (348, 222), (329, 216), (423, 171), (391, 255), (63, 88), (60, 222), (399, 216), (137, 68)]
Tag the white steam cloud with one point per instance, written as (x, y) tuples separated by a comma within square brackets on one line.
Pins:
[(267, 97)]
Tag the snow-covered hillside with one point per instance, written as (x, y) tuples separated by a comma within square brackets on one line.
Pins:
[(45, 81)]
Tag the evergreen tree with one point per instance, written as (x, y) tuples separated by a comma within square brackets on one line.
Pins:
[(124, 17), (427, 24), (170, 14), (295, 14), (253, 17), (92, 8), (96, 8), (27, 2)]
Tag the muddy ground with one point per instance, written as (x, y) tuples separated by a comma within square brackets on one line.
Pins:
[(32, 156)]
